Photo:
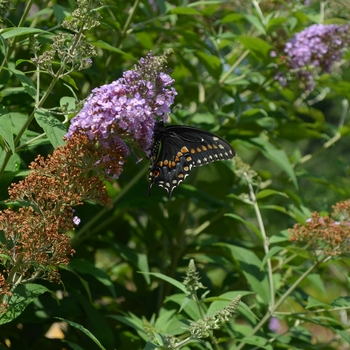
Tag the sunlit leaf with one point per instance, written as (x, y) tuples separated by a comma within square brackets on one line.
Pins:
[(54, 129)]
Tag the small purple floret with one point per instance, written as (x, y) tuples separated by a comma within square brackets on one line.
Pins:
[(76, 220)]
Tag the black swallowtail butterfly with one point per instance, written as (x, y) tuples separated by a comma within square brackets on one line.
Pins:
[(175, 149)]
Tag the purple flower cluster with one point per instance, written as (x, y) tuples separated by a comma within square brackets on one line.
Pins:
[(125, 110), (317, 47)]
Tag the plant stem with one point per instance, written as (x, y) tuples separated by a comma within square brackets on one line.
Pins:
[(128, 21), (266, 241)]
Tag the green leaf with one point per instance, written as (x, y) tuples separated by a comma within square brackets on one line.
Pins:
[(341, 302), (85, 266), (74, 346), (232, 17), (267, 193), (151, 346), (261, 343), (282, 236), (273, 251), (205, 3), (82, 280), (187, 304), (112, 48), (301, 213), (251, 268), (275, 23), (134, 322), (249, 224), (68, 79), (316, 281), (25, 81), (343, 333), (211, 63), (22, 296), (53, 128), (60, 13), (166, 320), (184, 11), (255, 21), (69, 103), (312, 302), (277, 156), (300, 252), (13, 32), (205, 118), (256, 46), (84, 330), (277, 208), (46, 12), (6, 131), (138, 259), (170, 280), (12, 167)]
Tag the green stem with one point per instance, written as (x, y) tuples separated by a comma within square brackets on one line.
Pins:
[(342, 308), (213, 340), (128, 21), (233, 67), (266, 241), (258, 10)]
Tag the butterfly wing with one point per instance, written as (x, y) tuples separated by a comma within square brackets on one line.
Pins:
[(181, 148)]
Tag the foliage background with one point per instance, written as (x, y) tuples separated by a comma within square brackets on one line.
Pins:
[(296, 142)]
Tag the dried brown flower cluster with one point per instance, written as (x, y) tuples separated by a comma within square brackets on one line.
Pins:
[(325, 235), (341, 211), (35, 243)]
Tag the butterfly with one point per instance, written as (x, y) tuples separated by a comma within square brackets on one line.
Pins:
[(175, 149)]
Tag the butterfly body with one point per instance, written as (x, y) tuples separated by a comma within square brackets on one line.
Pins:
[(175, 149)]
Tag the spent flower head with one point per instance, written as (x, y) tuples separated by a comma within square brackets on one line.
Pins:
[(341, 211), (34, 240), (324, 235), (125, 110)]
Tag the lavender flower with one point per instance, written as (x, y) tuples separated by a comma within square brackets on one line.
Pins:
[(125, 110), (319, 45), (76, 220), (274, 324), (315, 50)]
